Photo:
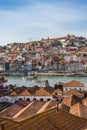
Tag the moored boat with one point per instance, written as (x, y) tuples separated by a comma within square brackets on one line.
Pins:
[(31, 77)]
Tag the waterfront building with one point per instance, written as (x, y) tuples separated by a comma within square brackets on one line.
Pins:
[(73, 84), (7, 66), (74, 92), (46, 93), (67, 57), (3, 82), (43, 95), (13, 66), (2, 66), (29, 94), (28, 65), (24, 95)]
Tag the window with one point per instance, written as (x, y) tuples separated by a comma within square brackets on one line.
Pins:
[(16, 101), (80, 89), (41, 99), (28, 99), (20, 98), (48, 99), (55, 93), (34, 99)]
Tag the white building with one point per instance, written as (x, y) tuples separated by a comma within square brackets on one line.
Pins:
[(73, 84), (2, 67), (41, 95), (67, 58)]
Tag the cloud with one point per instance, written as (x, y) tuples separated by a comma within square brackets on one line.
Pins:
[(39, 20)]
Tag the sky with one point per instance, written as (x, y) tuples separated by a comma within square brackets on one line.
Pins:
[(28, 20)]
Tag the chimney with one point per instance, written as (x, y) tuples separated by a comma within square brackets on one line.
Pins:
[(2, 126)]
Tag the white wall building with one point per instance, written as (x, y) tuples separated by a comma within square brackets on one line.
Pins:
[(73, 84), (67, 58), (41, 95)]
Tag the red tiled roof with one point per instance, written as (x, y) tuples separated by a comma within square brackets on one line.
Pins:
[(64, 107), (71, 100), (73, 91), (15, 108), (73, 83), (24, 93), (42, 92), (53, 119), (31, 110), (79, 110)]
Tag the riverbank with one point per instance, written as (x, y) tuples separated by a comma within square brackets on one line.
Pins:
[(61, 74), (52, 79), (48, 73)]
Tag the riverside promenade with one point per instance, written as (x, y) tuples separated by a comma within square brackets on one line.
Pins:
[(55, 73), (46, 73)]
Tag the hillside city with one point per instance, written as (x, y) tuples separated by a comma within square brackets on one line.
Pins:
[(66, 54), (59, 107)]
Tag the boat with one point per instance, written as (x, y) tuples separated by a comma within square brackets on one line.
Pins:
[(32, 73), (16, 74), (81, 75), (40, 80), (69, 74), (31, 77)]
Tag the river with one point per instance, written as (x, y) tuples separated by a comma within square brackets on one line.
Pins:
[(21, 80)]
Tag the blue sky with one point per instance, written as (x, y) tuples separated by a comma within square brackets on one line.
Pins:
[(21, 20)]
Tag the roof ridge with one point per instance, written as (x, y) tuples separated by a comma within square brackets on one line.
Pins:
[(21, 111)]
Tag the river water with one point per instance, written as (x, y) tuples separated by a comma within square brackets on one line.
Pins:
[(22, 80)]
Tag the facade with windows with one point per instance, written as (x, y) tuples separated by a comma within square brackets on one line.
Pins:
[(73, 84), (41, 95)]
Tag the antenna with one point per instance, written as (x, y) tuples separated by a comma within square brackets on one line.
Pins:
[(30, 39)]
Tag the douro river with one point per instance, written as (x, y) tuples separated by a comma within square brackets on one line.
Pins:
[(26, 81)]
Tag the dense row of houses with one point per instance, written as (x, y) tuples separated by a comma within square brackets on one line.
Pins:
[(63, 54), (47, 93), (69, 96), (73, 104)]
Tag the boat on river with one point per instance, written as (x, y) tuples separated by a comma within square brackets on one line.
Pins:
[(40, 80), (69, 74), (16, 74), (31, 77)]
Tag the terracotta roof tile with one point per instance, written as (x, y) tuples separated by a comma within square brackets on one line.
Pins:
[(79, 110), (73, 83), (58, 91), (84, 102), (13, 93), (73, 91), (53, 119), (14, 109), (42, 92), (49, 89), (64, 107), (51, 104), (24, 93), (31, 110), (71, 100)]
